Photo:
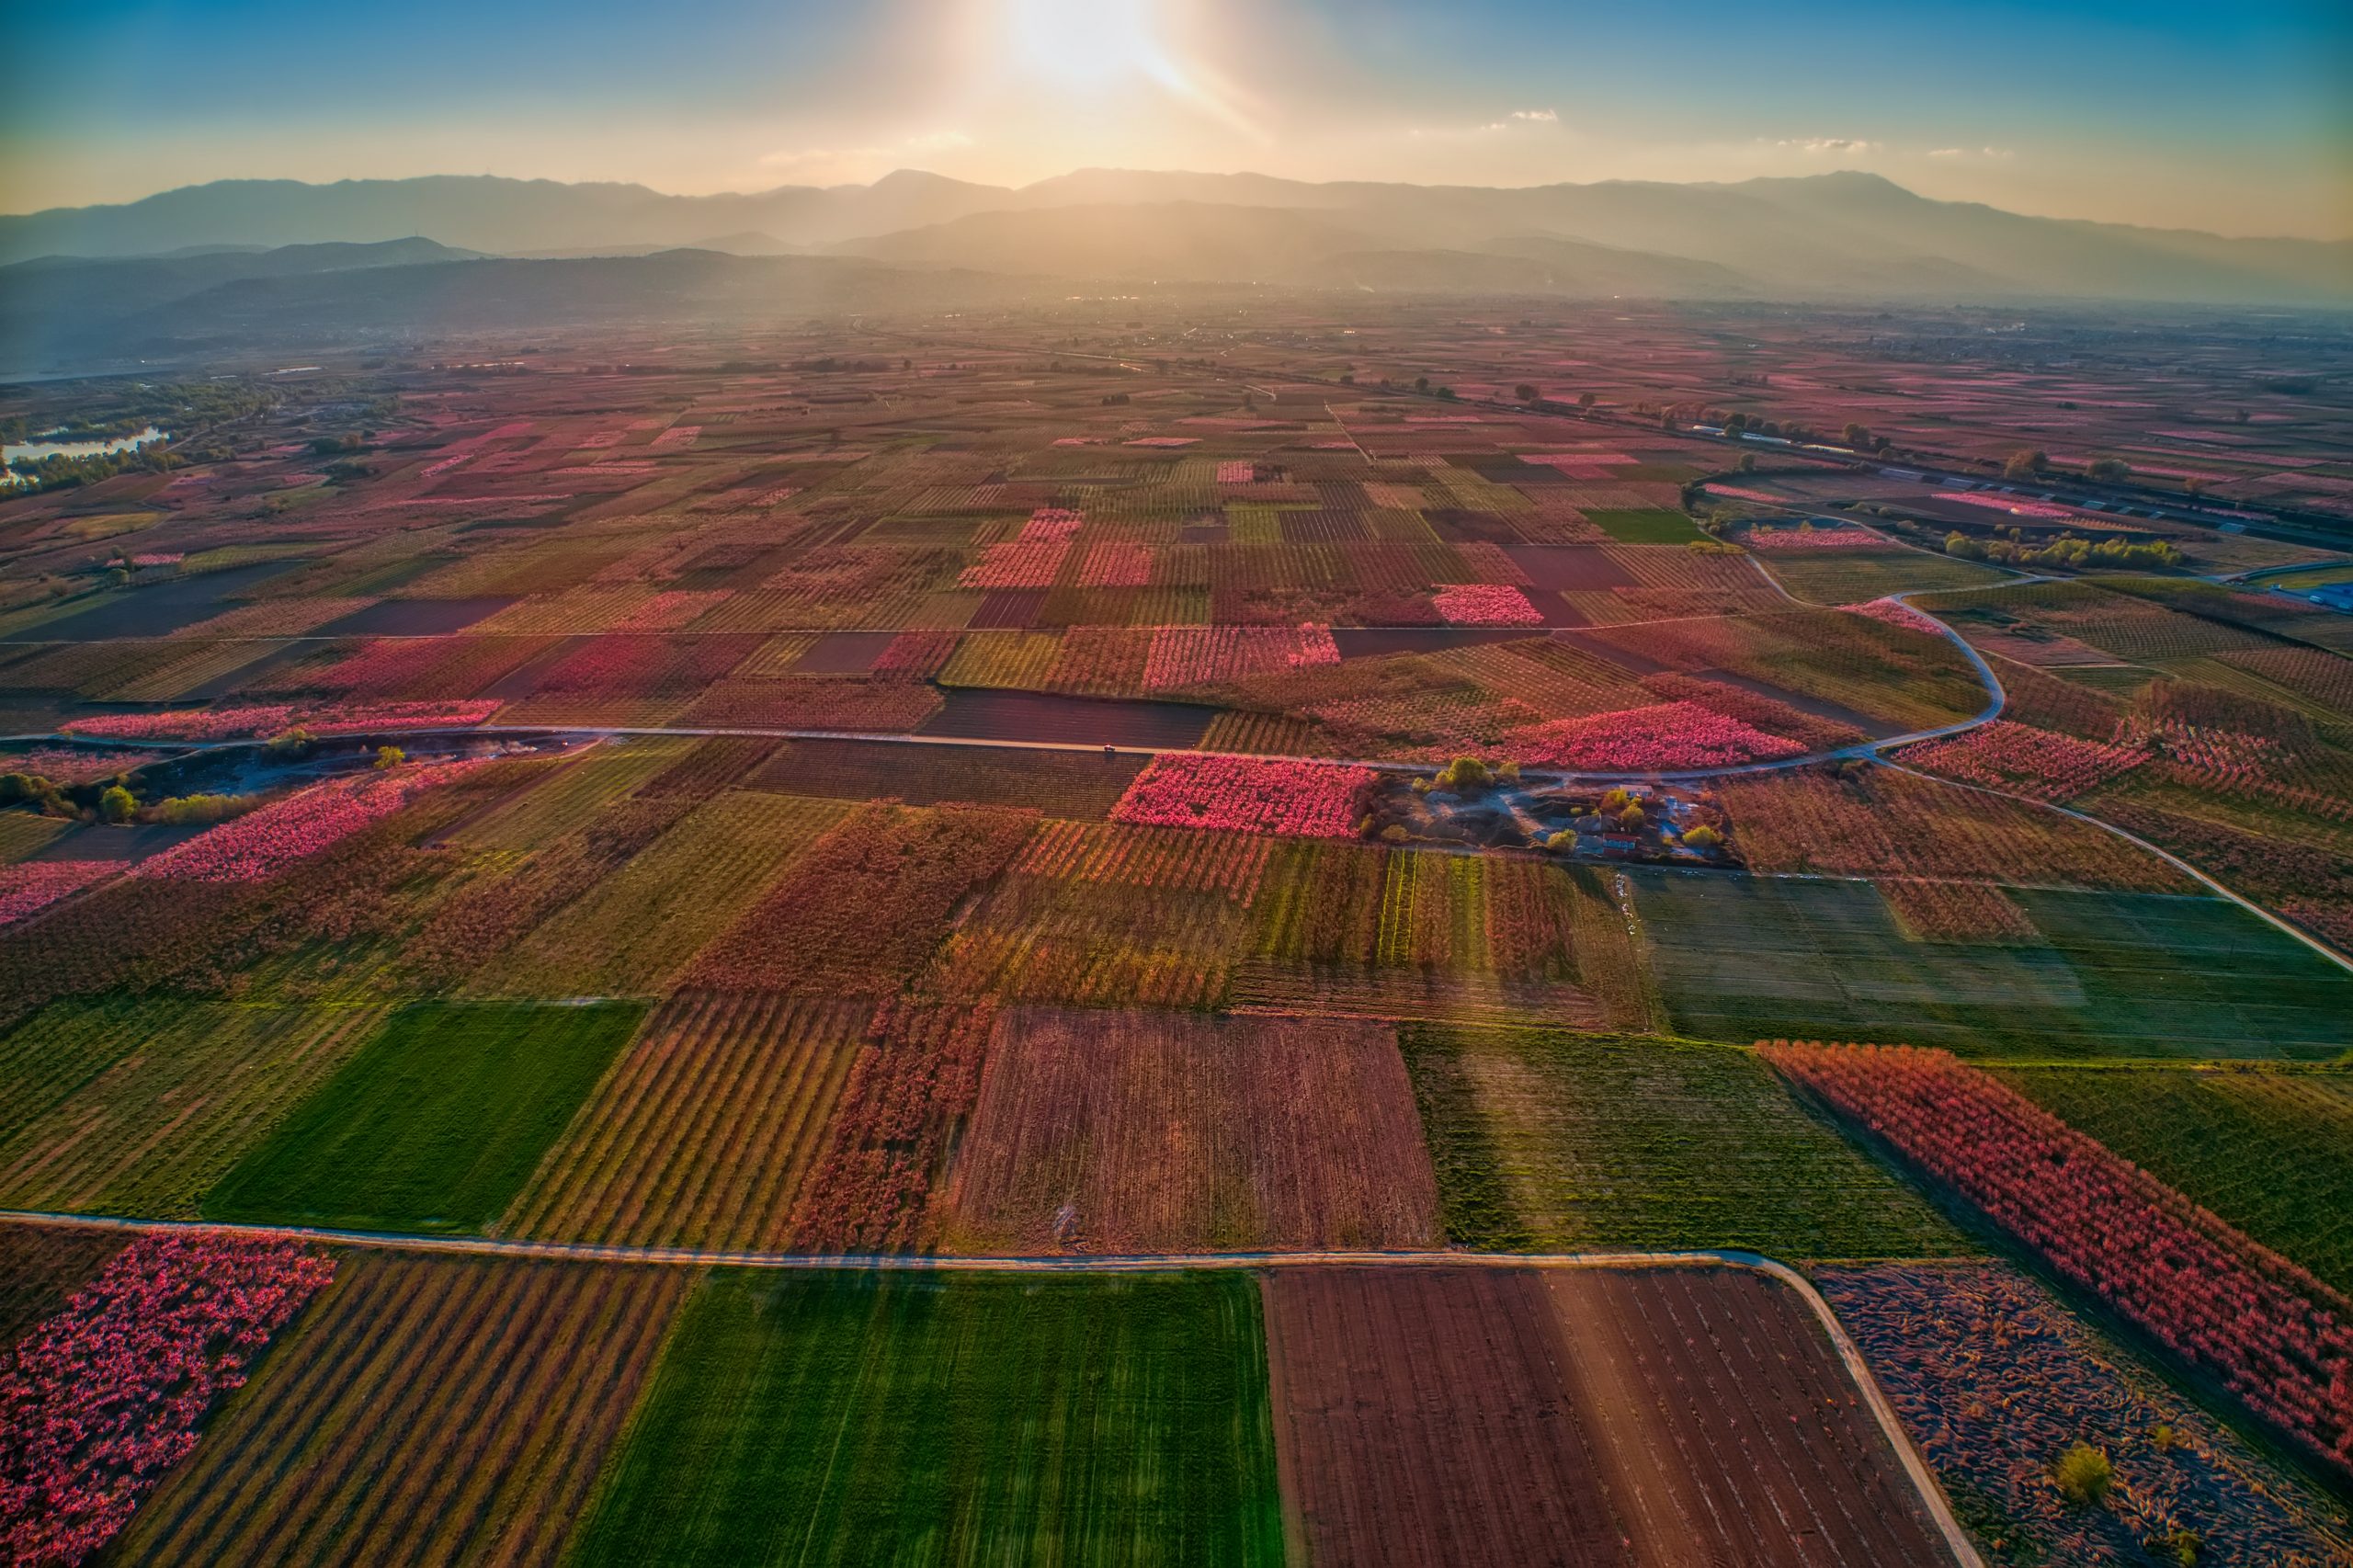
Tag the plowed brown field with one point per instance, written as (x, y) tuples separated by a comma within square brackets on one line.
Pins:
[(1575, 1417), (1109, 1131)]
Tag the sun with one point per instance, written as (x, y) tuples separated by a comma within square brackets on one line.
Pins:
[(1085, 43)]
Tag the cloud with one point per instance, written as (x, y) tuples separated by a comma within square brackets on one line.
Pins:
[(1947, 152), (1827, 144), (1542, 116), (1970, 152), (938, 142)]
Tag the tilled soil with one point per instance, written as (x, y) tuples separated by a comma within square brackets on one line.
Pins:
[(1665, 1416)]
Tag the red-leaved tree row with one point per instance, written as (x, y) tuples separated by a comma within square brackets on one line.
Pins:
[(2280, 1339), (102, 1398)]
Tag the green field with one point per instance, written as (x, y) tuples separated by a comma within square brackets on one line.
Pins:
[(1645, 525), (435, 1123), (1549, 1141), (136, 1107), (837, 1417), (2270, 1151), (1846, 577), (1744, 959)]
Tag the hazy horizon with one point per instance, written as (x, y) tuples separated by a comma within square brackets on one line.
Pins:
[(2154, 115)]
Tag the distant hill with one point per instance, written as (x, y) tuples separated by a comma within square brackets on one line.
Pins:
[(1836, 236), (264, 308), (484, 214), (232, 266)]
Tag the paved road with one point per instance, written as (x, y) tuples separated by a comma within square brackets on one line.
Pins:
[(1850, 1357)]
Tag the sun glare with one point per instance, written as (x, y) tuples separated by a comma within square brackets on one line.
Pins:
[(1085, 43)]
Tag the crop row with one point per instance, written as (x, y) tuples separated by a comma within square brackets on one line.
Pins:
[(2275, 1336), (1246, 795), (1956, 911), (1664, 737), (859, 910), (907, 1098), (104, 1397)]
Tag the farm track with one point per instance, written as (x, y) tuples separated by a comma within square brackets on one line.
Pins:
[(1931, 1497)]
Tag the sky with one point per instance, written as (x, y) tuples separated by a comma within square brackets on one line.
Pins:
[(2236, 118)]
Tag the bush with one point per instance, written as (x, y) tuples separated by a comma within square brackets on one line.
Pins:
[(2083, 1475), (118, 805), (389, 757), (1464, 776), (183, 809), (1704, 837)]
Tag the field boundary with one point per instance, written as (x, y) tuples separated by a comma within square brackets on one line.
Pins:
[(1851, 1357), (2168, 857)]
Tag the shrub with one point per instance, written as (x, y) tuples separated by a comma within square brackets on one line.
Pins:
[(2084, 1474), (1464, 776)]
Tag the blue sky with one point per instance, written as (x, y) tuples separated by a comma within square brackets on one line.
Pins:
[(2235, 117)]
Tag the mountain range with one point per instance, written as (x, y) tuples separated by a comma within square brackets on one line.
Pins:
[(202, 261), (1835, 235)]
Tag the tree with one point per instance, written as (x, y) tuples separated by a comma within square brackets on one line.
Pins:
[(1631, 819), (2108, 468), (1858, 435), (1421, 383), (292, 743), (1704, 837), (2026, 463), (1446, 394), (1586, 399), (1564, 839), (1748, 462), (118, 805), (390, 756), (2083, 1475), (1524, 392)]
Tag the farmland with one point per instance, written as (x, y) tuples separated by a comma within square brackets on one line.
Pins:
[(435, 1122), (893, 895), (1553, 1141), (956, 1420), (1550, 1402), (2223, 1138)]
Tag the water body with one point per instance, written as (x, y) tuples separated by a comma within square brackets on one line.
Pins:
[(34, 451)]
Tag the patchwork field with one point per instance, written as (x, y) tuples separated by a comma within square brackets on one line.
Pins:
[(727, 835), (2111, 974)]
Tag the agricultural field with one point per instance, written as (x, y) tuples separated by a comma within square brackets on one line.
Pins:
[(1545, 1141), (2225, 1138), (875, 896), (2108, 975), (1457, 1415), (951, 1419), (435, 1123)]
